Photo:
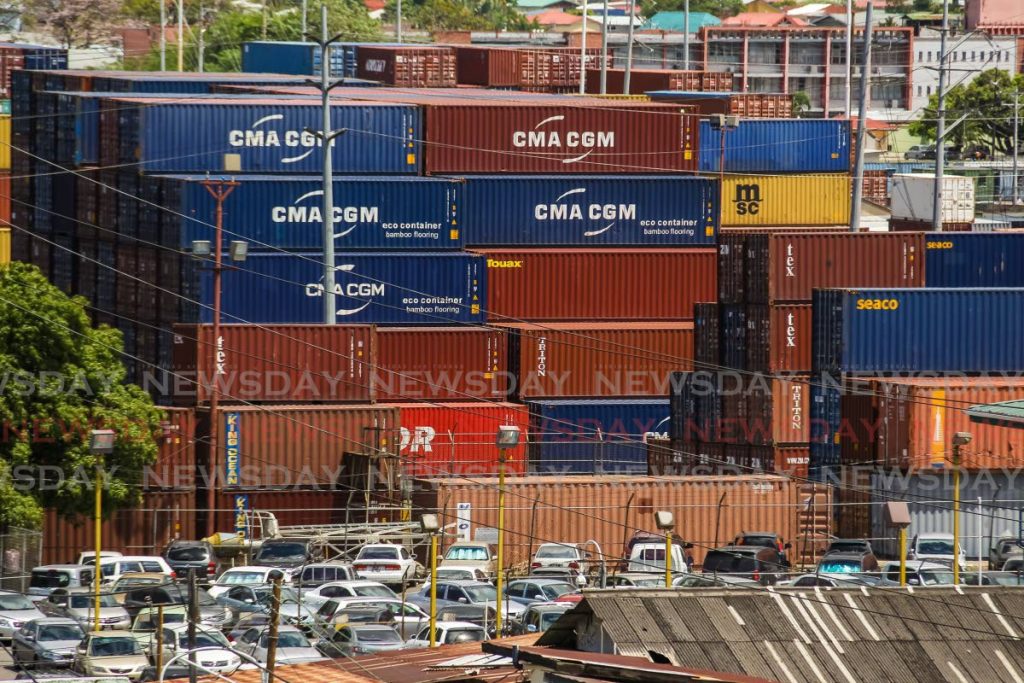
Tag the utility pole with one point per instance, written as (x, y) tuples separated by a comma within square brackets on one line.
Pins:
[(686, 35), (865, 92), (583, 51), (263, 14), (629, 48), (181, 35), (275, 615), (849, 59), (398, 21), (940, 124), (604, 50), (163, 35), (193, 619), (305, 10), (1016, 125), (202, 37)]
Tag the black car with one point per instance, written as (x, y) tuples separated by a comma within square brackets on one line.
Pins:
[(184, 556), (284, 553), (760, 564)]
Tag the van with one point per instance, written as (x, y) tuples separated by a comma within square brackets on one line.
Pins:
[(650, 557), (50, 577), (111, 568), (313, 575)]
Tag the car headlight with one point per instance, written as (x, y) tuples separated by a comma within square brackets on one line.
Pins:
[(53, 654), (100, 670), (6, 622)]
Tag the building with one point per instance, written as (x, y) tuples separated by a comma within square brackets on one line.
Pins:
[(813, 60), (676, 21), (995, 16), (973, 55)]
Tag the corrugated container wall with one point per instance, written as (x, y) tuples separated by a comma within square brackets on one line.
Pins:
[(589, 360), (288, 506), (441, 363), (644, 80), (589, 210), (457, 439), (536, 137), (913, 195), (778, 146), (411, 288), (301, 59), (757, 201), (407, 67), (974, 260), (709, 511), (912, 330), (779, 338), (287, 212), (281, 363), (611, 284), (492, 66), (746, 105), (176, 458)]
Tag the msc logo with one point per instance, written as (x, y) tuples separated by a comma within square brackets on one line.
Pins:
[(569, 140), (557, 211), (351, 290), (351, 216), (259, 135), (939, 245), (877, 304), (494, 263), (748, 199)]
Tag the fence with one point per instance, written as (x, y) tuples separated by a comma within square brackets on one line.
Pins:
[(21, 550)]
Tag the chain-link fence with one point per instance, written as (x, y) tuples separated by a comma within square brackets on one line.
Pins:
[(21, 550)]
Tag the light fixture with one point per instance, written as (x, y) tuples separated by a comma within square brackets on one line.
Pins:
[(508, 437), (664, 520), (430, 524), (238, 250), (101, 441), (202, 247), (962, 438)]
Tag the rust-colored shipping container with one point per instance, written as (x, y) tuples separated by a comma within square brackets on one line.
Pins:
[(911, 225), (5, 198), (176, 456), (553, 67), (598, 360), (143, 530), (716, 81), (290, 507), (778, 411), (407, 67), (854, 496), (917, 419), (792, 460), (441, 363), (644, 80), (457, 439), (275, 363), (127, 282), (779, 338), (294, 445), (490, 66), (611, 284), (609, 509), (788, 266), (746, 105), (876, 186), (147, 270)]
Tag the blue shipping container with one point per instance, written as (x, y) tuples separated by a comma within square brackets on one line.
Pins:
[(918, 330), (286, 212), (973, 259), (269, 138), (778, 146), (295, 57), (826, 421), (675, 211), (594, 436), (406, 288), (40, 57)]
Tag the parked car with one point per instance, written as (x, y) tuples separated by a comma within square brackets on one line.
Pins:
[(847, 562), (89, 556), (210, 613), (222, 660), (346, 589), (648, 538), (849, 545), (449, 633), (355, 614), (285, 554), (119, 589), (48, 578), (533, 590), (145, 623), (319, 573), (636, 580), (185, 556), (46, 642), (561, 555), (539, 617), (714, 581), (15, 610), (1014, 564), (471, 555), (1004, 547), (387, 563), (920, 573), (79, 604), (936, 547), (834, 580), (481, 615), (241, 600), (240, 576), (249, 621), (758, 563), (360, 639), (110, 653), (111, 568), (994, 579), (292, 645), (650, 557), (408, 618), (474, 593), (919, 153), (461, 574), (764, 539)]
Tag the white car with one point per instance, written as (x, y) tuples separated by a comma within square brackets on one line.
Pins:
[(89, 556), (315, 597), (387, 563), (237, 576), (409, 618), (936, 548), (223, 660), (111, 568), (292, 645), (920, 573), (448, 633), (560, 555)]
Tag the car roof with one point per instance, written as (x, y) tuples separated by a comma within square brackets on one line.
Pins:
[(117, 632), (52, 620), (936, 534), (915, 565), (844, 554), (182, 541), (352, 583), (740, 549), (248, 568), (80, 590), (320, 565), (542, 580), (62, 566), (464, 582), (370, 627), (475, 544), (143, 575), (449, 625), (551, 606)]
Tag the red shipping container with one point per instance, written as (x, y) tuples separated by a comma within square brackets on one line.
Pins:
[(457, 439), (911, 225), (788, 266), (554, 67), (779, 338), (644, 80), (176, 458), (277, 363), (792, 460), (441, 363), (610, 284), (491, 66), (778, 411), (592, 360), (408, 67)]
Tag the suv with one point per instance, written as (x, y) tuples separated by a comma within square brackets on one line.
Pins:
[(284, 553), (49, 577), (919, 153), (937, 548), (849, 545), (184, 556), (471, 555), (920, 573), (753, 562), (313, 575), (1005, 546), (567, 555), (846, 563), (650, 557)]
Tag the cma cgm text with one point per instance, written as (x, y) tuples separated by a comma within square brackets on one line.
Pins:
[(552, 138), (314, 214), (272, 138), (575, 212)]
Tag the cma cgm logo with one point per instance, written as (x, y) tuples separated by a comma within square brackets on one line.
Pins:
[(565, 209), (748, 200), (350, 217), (363, 292), (571, 142), (659, 431), (262, 134)]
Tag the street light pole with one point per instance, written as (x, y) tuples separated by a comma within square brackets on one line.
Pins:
[(430, 524), (508, 437), (604, 50), (862, 126), (163, 35), (664, 520), (940, 126), (629, 49), (1016, 124), (101, 442), (583, 51)]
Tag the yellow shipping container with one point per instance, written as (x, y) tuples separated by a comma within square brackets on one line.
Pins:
[(756, 201), (5, 143), (5, 246)]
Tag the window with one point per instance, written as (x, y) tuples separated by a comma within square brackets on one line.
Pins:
[(335, 592), (918, 91), (929, 90), (920, 55), (929, 55), (974, 55)]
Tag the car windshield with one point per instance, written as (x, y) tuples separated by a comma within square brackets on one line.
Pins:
[(936, 578), (935, 547), (378, 554), (555, 590), (50, 579), (760, 541), (204, 639), (548, 618), (187, 554), (464, 636), (473, 553), (15, 602), (847, 547), (456, 574), (551, 552), (55, 632), (230, 578), (84, 601), (481, 593), (114, 647), (839, 566), (648, 582), (378, 635), (373, 591), (281, 551), (288, 639)]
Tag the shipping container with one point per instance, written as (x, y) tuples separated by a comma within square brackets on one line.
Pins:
[(779, 338), (778, 411), (914, 225), (732, 268), (290, 507), (441, 363), (296, 446), (792, 461), (590, 360), (490, 66), (709, 511), (753, 201), (734, 336), (974, 260), (643, 80), (913, 330), (175, 466), (747, 105), (265, 136), (409, 66), (5, 246), (284, 57), (411, 287), (276, 363), (777, 146), (594, 436), (612, 284), (913, 197), (550, 68), (589, 210), (706, 335), (17, 56), (457, 439), (286, 212)]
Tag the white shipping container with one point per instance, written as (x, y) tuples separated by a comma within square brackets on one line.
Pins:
[(912, 197)]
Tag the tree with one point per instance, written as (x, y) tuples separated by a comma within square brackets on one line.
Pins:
[(801, 103), (76, 23), (59, 378)]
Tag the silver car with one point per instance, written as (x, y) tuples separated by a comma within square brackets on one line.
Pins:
[(15, 610), (78, 604), (46, 642)]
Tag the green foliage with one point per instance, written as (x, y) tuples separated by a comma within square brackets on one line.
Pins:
[(459, 15), (987, 103), (801, 103), (60, 378), (720, 8)]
